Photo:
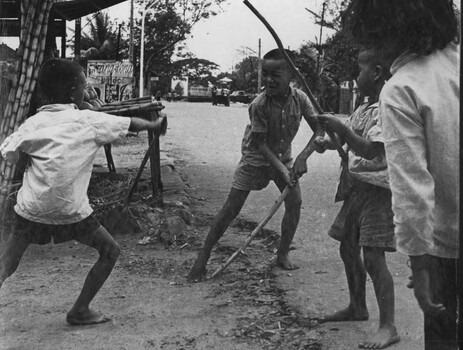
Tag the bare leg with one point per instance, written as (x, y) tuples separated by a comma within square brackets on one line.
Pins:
[(356, 280), (80, 313), (289, 224), (10, 256), (222, 220), (375, 264)]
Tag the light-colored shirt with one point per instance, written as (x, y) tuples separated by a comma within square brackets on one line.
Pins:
[(279, 123), (62, 143), (364, 122), (419, 107)]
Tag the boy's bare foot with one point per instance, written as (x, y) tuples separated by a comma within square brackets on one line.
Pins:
[(284, 262), (346, 314), (86, 318), (382, 339), (197, 272)]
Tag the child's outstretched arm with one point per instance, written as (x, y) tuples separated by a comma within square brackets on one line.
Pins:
[(259, 141), (138, 124), (362, 146)]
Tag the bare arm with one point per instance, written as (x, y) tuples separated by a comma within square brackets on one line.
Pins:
[(259, 141), (311, 145), (325, 142), (363, 147), (139, 124)]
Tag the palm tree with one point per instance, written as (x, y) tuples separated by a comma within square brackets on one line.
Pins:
[(99, 41)]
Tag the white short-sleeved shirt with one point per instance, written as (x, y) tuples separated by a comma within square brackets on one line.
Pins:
[(420, 111), (62, 142)]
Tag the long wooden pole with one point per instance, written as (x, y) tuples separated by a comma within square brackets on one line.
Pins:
[(256, 231), (288, 189), (314, 101)]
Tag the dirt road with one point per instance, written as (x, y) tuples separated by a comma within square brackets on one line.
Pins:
[(250, 306), (320, 284)]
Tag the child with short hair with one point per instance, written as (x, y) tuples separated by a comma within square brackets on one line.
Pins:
[(420, 113), (61, 142), (275, 116), (365, 219)]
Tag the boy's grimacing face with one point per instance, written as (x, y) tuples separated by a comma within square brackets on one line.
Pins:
[(276, 77)]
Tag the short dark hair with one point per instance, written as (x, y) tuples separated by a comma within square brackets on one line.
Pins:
[(57, 76), (421, 26), (276, 54), (376, 57)]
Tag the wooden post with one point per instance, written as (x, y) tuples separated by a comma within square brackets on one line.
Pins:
[(63, 39), (259, 70), (155, 162), (77, 39)]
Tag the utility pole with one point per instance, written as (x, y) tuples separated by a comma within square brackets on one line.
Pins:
[(320, 39), (131, 33), (259, 70), (142, 52), (142, 45), (77, 40), (118, 41)]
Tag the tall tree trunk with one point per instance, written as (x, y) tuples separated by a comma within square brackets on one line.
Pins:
[(34, 24)]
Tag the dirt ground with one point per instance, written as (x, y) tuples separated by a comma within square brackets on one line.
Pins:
[(147, 296)]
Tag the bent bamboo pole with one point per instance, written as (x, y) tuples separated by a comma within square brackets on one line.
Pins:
[(287, 190), (315, 103)]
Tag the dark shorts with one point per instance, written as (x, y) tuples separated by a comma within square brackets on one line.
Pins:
[(366, 217), (37, 233), (254, 178)]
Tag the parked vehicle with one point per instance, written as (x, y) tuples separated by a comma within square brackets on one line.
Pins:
[(240, 96), (222, 97)]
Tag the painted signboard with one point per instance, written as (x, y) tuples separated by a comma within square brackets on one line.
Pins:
[(112, 80)]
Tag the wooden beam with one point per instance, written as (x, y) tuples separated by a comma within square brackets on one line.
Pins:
[(11, 28)]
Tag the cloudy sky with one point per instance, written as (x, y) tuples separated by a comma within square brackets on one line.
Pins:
[(221, 38)]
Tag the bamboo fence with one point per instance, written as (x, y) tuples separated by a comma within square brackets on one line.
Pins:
[(34, 25)]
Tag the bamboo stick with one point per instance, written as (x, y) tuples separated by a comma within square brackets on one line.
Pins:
[(315, 103), (256, 231), (134, 109), (131, 101)]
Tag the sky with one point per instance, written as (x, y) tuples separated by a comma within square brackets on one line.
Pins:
[(222, 38)]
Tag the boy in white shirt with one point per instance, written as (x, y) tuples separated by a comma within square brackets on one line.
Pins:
[(62, 142)]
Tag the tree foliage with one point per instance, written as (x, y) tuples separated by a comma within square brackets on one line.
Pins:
[(196, 69), (245, 74), (168, 23), (326, 66), (100, 39), (332, 15)]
